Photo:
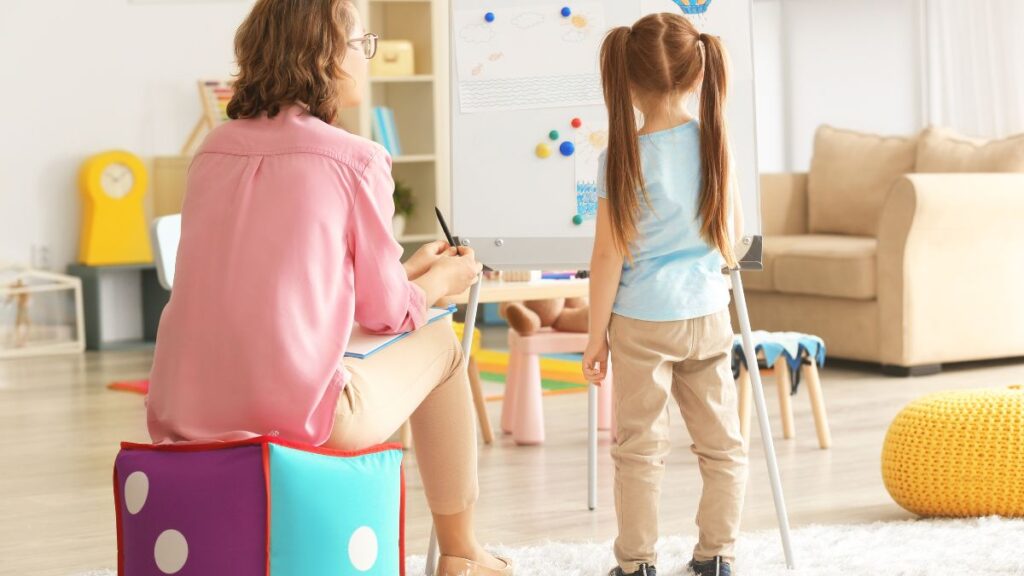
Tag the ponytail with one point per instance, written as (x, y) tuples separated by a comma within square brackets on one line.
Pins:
[(714, 151), (624, 178)]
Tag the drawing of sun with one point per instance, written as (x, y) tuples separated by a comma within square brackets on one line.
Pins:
[(578, 27)]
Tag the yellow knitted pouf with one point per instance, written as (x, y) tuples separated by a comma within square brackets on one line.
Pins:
[(958, 453)]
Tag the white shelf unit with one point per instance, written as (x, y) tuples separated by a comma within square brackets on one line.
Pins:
[(419, 102)]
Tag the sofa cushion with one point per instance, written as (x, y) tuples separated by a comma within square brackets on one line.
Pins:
[(850, 177), (942, 150), (824, 265), (773, 246)]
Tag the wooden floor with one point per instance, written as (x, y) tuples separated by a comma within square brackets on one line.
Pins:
[(60, 428)]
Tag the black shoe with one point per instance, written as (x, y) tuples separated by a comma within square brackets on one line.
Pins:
[(644, 570), (714, 567)]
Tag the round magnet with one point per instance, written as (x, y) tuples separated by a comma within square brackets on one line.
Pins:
[(567, 148)]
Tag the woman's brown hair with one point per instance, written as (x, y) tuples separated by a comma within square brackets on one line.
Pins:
[(664, 56), (290, 52)]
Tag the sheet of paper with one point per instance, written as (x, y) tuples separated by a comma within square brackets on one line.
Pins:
[(529, 57), (591, 140), (362, 344)]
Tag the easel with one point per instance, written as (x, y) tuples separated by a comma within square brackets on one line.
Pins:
[(759, 403), (214, 95)]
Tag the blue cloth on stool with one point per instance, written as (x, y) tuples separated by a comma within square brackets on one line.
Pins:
[(773, 345)]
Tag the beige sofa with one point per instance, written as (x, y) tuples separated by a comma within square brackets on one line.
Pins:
[(892, 265)]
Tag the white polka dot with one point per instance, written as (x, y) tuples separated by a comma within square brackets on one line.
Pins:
[(170, 552), (362, 549), (136, 490)]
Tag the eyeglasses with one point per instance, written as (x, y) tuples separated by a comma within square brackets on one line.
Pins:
[(368, 44)]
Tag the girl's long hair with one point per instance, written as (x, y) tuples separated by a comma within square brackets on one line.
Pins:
[(664, 56)]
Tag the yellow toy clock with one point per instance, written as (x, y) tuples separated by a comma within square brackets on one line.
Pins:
[(114, 231)]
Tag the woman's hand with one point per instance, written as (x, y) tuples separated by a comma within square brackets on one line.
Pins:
[(458, 272), (450, 275), (425, 258), (595, 361)]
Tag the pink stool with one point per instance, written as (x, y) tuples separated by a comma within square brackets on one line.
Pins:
[(522, 413)]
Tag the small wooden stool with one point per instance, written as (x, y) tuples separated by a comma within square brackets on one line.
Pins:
[(474, 383), (522, 413), (809, 374)]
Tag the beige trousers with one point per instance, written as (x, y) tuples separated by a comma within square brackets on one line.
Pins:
[(421, 378), (690, 359)]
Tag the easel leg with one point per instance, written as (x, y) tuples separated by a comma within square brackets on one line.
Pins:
[(810, 372), (762, 417), (406, 436), (782, 381), (592, 402), (467, 347), (431, 553)]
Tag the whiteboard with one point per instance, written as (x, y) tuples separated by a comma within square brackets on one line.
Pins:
[(531, 71)]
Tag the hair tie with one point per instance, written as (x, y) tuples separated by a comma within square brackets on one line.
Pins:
[(702, 37)]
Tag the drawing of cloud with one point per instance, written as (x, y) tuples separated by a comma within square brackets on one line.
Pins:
[(575, 36), (528, 20), (478, 33)]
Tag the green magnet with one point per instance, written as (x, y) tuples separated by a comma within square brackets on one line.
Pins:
[(577, 219), (553, 134)]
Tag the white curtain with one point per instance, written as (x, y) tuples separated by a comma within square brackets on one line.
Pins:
[(975, 65)]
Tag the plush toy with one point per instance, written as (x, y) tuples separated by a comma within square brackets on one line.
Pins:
[(564, 315)]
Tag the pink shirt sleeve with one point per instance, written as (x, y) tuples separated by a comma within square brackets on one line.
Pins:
[(386, 301)]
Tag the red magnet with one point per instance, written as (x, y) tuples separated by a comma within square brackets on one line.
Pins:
[(576, 122)]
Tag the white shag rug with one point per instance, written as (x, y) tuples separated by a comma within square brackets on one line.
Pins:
[(974, 547)]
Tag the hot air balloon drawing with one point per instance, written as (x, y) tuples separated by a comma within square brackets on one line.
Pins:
[(693, 7)]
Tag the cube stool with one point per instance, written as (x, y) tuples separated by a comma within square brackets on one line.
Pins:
[(259, 507)]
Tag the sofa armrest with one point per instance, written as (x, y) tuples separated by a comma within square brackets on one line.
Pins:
[(784, 204), (951, 269)]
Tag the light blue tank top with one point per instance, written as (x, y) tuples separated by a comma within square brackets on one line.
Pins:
[(675, 274)]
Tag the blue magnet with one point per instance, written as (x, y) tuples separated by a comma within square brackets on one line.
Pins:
[(566, 12), (567, 148), (489, 16)]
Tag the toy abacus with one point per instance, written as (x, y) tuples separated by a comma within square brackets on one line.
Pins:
[(214, 95)]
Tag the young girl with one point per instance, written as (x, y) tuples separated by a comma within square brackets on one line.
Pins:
[(658, 297)]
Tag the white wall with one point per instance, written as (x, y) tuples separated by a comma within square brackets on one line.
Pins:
[(770, 86), (850, 64), (83, 76)]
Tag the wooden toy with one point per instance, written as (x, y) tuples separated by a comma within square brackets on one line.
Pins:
[(215, 96)]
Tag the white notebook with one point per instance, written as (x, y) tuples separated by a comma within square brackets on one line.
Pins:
[(362, 344)]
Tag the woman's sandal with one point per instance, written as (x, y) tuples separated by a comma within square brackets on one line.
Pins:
[(454, 566)]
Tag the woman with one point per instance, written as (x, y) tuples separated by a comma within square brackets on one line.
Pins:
[(286, 240)]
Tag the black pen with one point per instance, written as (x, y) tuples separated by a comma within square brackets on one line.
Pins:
[(451, 239), (447, 232)]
